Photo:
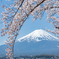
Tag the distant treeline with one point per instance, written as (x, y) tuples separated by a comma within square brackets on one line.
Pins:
[(33, 57)]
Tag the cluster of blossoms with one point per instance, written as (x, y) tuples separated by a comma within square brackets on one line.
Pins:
[(15, 15)]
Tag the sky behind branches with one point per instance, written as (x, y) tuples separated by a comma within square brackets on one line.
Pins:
[(28, 26)]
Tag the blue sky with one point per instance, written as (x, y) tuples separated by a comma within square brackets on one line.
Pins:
[(28, 26)]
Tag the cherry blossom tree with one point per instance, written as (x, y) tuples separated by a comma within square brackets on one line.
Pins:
[(14, 17)]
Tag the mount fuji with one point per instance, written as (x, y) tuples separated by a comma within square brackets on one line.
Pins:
[(38, 35), (35, 43)]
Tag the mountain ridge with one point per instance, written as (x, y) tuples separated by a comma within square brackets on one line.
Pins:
[(36, 43)]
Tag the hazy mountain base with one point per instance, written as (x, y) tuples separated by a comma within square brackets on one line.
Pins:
[(36, 48), (33, 48)]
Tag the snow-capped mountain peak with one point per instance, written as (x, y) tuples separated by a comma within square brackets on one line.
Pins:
[(42, 44), (38, 35)]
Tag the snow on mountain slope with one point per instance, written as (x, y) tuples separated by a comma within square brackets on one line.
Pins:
[(38, 35)]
